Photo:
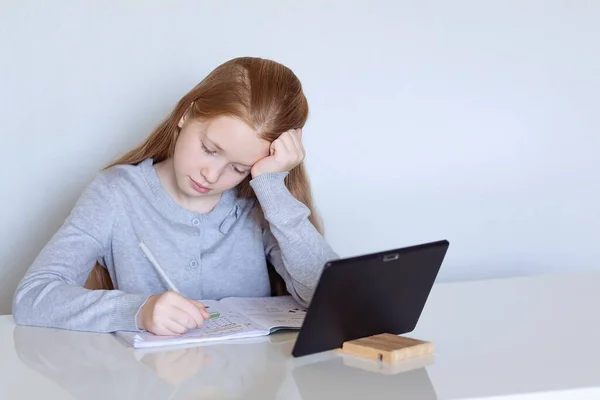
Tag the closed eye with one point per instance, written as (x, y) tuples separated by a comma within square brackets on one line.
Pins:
[(214, 153), (207, 151), (239, 171)]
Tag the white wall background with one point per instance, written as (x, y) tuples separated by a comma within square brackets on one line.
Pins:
[(473, 121)]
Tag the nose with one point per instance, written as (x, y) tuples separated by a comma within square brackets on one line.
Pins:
[(211, 174)]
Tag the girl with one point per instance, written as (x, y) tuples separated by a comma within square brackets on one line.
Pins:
[(216, 191)]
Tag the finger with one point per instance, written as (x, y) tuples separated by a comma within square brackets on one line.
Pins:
[(182, 318), (175, 327), (191, 315), (298, 144), (296, 150), (279, 146), (202, 309), (288, 141)]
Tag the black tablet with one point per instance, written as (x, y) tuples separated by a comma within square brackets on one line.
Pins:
[(376, 293)]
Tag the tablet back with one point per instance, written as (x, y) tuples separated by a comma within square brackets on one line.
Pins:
[(376, 293)]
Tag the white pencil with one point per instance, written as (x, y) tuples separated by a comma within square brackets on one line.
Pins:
[(157, 267)]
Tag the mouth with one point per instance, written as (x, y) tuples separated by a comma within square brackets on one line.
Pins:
[(198, 187)]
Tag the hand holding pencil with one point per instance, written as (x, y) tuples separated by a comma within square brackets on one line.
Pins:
[(169, 313)]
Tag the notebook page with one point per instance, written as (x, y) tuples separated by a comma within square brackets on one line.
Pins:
[(269, 312), (224, 324)]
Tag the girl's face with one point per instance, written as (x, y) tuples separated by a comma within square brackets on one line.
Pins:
[(214, 156)]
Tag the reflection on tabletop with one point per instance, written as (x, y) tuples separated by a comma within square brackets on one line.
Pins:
[(348, 377), (100, 366)]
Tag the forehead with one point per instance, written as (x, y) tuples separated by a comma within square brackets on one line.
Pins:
[(240, 142)]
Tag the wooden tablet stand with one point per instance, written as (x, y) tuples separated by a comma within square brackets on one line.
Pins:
[(388, 348)]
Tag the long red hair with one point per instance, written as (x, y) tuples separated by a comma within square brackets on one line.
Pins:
[(264, 94)]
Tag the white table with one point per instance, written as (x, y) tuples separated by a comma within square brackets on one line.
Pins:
[(530, 338)]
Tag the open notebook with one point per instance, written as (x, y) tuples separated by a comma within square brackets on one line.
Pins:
[(232, 318)]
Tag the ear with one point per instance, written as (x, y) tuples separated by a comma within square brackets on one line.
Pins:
[(184, 117)]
